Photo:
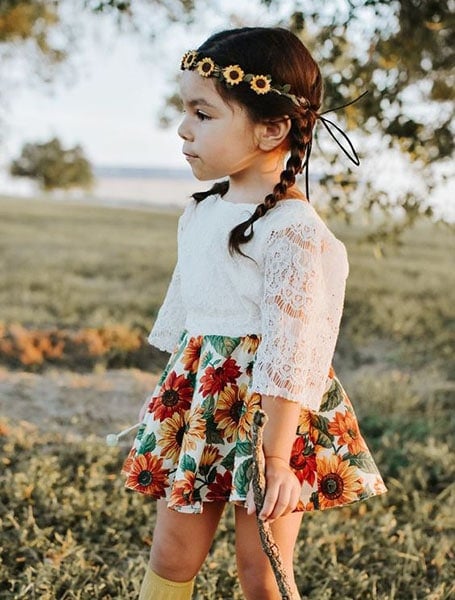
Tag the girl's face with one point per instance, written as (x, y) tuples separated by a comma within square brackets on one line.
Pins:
[(219, 139)]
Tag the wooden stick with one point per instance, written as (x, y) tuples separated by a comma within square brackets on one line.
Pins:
[(258, 480)]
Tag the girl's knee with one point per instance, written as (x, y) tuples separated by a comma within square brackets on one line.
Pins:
[(257, 585), (257, 577), (173, 559)]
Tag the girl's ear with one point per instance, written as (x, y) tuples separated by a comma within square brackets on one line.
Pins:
[(272, 133)]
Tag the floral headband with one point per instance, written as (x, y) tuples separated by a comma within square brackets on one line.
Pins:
[(234, 74), (262, 84)]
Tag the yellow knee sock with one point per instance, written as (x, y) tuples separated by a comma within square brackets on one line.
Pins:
[(155, 587)]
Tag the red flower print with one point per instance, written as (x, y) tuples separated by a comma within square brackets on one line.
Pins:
[(304, 465), (192, 354), (126, 468), (148, 476), (215, 379), (345, 426), (220, 489), (175, 396)]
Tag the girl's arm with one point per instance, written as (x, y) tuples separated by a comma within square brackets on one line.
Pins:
[(305, 273), (282, 486)]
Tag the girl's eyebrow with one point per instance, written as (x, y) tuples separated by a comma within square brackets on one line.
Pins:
[(200, 102)]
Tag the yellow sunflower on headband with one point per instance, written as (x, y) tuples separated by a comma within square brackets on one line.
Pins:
[(261, 84), (205, 67), (189, 59), (233, 74)]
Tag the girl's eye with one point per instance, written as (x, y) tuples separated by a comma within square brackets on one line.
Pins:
[(202, 116)]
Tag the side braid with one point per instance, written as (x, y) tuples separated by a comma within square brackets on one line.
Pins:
[(220, 187), (301, 135)]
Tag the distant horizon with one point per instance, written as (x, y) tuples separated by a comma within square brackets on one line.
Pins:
[(129, 171)]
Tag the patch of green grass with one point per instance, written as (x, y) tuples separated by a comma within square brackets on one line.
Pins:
[(83, 266)]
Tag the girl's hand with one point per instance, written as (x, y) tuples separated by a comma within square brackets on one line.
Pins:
[(282, 491)]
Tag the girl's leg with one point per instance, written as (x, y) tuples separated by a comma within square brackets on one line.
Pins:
[(181, 541), (255, 573), (180, 544)]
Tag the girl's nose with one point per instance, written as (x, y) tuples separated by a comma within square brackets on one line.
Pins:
[(184, 131)]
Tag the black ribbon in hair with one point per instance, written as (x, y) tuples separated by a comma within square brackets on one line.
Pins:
[(334, 131)]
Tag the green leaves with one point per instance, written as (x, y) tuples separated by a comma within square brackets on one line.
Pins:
[(224, 345), (188, 463), (148, 443), (321, 424), (242, 476), (213, 436), (363, 460), (205, 360), (332, 398), (243, 448)]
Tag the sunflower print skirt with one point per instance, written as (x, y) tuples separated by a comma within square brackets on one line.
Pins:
[(194, 445)]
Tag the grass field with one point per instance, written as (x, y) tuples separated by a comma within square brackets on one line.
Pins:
[(68, 528)]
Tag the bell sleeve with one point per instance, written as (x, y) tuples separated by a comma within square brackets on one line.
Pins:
[(170, 320), (171, 317), (304, 287)]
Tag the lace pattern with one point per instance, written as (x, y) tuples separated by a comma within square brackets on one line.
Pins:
[(302, 304), (171, 317), (170, 320)]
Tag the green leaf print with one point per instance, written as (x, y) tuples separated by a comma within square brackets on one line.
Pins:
[(324, 439), (140, 431), (169, 366), (148, 443), (243, 477), (228, 460), (164, 374), (321, 424), (212, 475), (224, 345), (243, 448), (209, 406), (332, 398), (213, 436), (188, 463), (363, 460), (205, 361), (191, 378)]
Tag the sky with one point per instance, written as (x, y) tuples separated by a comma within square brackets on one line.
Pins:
[(109, 99), (111, 105)]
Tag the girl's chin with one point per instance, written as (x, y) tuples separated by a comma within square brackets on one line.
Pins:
[(204, 176)]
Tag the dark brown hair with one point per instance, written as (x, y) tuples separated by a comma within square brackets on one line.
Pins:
[(279, 53)]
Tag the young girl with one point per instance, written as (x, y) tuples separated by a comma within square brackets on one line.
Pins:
[(251, 319)]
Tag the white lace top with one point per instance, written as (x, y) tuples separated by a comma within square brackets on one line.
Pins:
[(292, 296)]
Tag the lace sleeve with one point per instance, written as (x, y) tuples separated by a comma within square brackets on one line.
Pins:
[(171, 317), (302, 304), (170, 320)]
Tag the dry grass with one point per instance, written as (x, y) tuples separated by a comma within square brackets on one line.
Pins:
[(68, 528)]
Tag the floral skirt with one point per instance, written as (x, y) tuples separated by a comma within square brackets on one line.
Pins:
[(194, 444)]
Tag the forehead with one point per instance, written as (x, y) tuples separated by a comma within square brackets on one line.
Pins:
[(195, 89)]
